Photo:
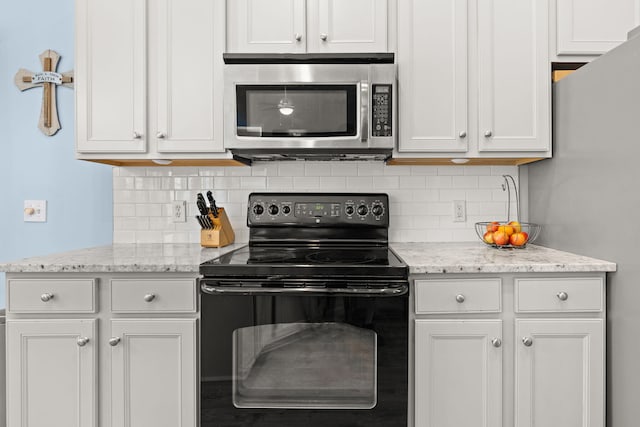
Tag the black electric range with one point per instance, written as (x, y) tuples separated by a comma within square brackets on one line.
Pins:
[(308, 323)]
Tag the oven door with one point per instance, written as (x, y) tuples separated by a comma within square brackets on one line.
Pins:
[(303, 357)]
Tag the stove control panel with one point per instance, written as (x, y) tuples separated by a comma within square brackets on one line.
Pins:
[(318, 209)]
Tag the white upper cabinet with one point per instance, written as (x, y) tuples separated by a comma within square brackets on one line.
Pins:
[(474, 78), (348, 26), (298, 26), (266, 26), (187, 113), (514, 76), (593, 27), (433, 75), (110, 76), (149, 77)]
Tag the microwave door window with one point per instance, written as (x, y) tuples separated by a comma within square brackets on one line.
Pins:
[(297, 111)]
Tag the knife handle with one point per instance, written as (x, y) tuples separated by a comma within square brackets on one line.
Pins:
[(212, 204)]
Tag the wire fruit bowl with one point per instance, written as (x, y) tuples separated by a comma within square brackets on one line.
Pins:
[(493, 233), (508, 234)]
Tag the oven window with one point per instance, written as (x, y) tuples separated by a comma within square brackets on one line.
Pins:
[(294, 111), (326, 365)]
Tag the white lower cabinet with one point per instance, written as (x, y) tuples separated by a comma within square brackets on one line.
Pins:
[(51, 373), (458, 373), (513, 350), (153, 378), (120, 352), (560, 373)]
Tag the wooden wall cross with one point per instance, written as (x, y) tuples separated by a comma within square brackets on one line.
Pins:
[(49, 80)]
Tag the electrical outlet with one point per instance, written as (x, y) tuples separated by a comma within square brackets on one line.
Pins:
[(179, 211), (459, 211)]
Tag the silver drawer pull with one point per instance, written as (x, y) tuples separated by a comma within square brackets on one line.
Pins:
[(114, 341), (527, 341), (562, 296), (496, 342), (82, 341), (149, 297), (46, 297), (460, 298)]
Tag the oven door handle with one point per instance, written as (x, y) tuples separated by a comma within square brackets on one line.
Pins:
[(390, 291)]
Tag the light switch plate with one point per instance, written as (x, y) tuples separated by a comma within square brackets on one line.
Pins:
[(35, 211)]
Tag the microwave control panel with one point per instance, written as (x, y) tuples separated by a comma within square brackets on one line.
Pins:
[(382, 103)]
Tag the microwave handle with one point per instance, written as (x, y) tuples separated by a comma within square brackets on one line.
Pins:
[(364, 111)]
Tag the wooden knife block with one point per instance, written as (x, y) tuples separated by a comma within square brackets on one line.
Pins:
[(222, 233)]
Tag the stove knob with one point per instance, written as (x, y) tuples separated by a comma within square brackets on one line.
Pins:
[(377, 210), (362, 210), (349, 210), (258, 210), (286, 210), (273, 210)]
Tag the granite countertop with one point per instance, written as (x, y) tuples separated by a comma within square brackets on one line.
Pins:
[(471, 257), (476, 257), (122, 258)]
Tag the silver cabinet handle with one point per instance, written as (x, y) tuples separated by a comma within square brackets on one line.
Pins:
[(463, 134), (114, 341), (82, 341), (488, 134), (160, 135), (527, 341), (460, 298), (562, 296), (137, 135), (496, 342), (298, 37), (324, 37), (149, 297), (46, 297)]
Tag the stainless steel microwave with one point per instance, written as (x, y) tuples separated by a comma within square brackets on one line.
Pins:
[(310, 106)]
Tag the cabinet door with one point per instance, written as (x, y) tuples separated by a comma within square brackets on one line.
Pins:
[(110, 76), (514, 76), (593, 27), (275, 26), (432, 69), (560, 373), (458, 373), (51, 373), (153, 373), (347, 26), (186, 76)]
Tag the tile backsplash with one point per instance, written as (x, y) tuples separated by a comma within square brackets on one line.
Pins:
[(421, 197)]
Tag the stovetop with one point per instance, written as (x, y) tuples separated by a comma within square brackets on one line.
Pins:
[(323, 261)]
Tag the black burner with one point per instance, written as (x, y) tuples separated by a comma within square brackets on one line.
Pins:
[(342, 257)]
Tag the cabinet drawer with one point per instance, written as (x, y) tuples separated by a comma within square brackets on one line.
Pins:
[(148, 295), (51, 296), (560, 294), (458, 296)]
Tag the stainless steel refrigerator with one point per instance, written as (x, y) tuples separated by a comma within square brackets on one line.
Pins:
[(587, 197)]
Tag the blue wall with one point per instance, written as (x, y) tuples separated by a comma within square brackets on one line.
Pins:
[(34, 166)]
